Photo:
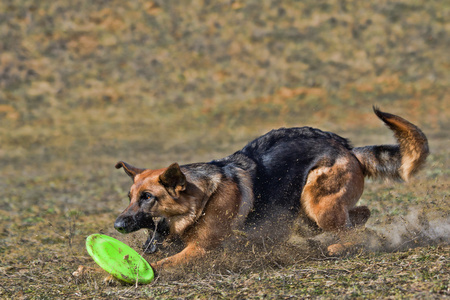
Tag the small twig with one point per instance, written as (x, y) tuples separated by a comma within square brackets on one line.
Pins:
[(137, 274), (153, 237), (139, 264), (125, 292), (405, 242), (264, 244)]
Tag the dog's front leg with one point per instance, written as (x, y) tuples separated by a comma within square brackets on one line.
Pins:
[(192, 251)]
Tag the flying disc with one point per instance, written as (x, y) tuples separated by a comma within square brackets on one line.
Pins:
[(119, 259)]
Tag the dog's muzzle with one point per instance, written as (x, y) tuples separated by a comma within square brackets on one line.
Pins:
[(121, 226), (128, 223)]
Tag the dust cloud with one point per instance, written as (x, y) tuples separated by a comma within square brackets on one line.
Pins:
[(416, 228), (253, 251)]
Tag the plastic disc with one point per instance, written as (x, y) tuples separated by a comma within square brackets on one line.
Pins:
[(119, 259)]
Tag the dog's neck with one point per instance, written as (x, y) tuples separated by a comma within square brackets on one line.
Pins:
[(179, 223)]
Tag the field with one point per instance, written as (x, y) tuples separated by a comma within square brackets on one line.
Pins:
[(84, 84)]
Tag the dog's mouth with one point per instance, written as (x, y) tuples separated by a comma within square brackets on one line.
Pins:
[(130, 224)]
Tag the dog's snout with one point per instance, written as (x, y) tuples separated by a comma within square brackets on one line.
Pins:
[(120, 226), (128, 222)]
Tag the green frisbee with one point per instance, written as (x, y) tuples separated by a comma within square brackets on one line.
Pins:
[(119, 259)]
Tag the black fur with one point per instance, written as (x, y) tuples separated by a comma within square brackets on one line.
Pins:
[(278, 163)]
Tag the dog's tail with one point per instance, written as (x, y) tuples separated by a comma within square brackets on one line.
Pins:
[(399, 161)]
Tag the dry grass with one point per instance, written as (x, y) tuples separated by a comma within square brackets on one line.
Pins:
[(83, 85)]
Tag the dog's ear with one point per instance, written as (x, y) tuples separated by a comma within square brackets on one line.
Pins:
[(129, 169), (173, 180)]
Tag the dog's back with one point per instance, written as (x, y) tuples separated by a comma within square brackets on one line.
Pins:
[(280, 161), (278, 164)]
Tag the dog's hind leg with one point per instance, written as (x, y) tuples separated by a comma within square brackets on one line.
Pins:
[(330, 195)]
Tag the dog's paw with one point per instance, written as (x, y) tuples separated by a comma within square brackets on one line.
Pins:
[(340, 249)]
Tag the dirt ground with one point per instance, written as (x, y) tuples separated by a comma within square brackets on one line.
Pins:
[(86, 84)]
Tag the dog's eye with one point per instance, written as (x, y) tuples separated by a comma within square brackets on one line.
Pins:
[(147, 196)]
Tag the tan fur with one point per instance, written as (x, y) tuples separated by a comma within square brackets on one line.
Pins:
[(215, 223), (247, 200), (330, 192), (192, 251), (412, 143), (210, 205), (395, 161), (330, 195)]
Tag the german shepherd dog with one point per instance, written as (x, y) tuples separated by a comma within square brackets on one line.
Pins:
[(295, 171)]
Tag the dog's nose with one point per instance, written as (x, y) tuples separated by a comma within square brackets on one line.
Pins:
[(120, 226)]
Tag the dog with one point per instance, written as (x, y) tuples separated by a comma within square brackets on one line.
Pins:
[(286, 172)]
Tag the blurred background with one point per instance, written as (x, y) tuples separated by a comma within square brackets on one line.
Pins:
[(84, 84)]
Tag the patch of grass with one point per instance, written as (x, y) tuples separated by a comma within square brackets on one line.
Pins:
[(85, 84)]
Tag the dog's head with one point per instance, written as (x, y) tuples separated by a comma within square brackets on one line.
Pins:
[(154, 193)]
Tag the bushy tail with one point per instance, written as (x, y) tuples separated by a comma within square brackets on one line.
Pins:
[(399, 161)]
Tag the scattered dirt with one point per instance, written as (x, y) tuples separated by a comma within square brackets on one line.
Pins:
[(86, 84)]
